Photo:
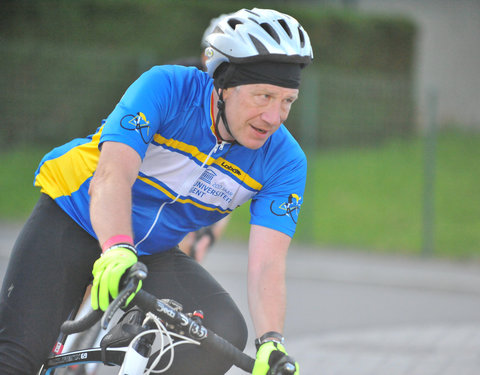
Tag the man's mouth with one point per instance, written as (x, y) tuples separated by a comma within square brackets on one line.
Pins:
[(261, 131)]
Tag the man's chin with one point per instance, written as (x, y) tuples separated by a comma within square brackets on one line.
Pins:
[(252, 145)]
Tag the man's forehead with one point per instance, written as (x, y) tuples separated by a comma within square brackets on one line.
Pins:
[(270, 89)]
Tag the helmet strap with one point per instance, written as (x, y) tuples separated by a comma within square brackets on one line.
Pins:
[(221, 104), (221, 115)]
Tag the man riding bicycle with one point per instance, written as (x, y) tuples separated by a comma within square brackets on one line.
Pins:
[(181, 150)]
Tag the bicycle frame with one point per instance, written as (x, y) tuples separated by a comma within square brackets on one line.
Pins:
[(112, 356)]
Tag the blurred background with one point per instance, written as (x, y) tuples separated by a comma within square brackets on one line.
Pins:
[(389, 113)]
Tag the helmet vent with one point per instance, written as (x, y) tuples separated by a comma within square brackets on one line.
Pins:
[(285, 27), (233, 22), (270, 31), (262, 50), (302, 38), (217, 30)]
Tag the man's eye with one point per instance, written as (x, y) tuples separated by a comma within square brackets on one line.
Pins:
[(263, 98), (292, 100)]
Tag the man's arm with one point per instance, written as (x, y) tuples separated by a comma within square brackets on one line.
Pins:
[(266, 278), (110, 191), (111, 215)]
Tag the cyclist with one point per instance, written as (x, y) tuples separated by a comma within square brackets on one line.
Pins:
[(180, 151)]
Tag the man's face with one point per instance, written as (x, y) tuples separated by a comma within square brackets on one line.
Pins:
[(255, 111)]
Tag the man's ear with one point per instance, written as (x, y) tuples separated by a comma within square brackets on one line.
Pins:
[(226, 92)]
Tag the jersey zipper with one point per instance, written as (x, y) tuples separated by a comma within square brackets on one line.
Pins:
[(217, 147)]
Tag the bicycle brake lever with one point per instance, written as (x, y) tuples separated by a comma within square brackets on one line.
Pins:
[(118, 302), (137, 272)]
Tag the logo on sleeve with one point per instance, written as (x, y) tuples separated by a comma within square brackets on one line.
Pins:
[(139, 124), (289, 208)]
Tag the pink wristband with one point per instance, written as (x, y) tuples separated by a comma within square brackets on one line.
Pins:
[(119, 238)]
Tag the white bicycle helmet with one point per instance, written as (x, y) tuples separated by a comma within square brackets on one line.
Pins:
[(213, 23), (257, 35)]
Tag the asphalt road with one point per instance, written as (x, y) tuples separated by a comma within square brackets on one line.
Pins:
[(357, 313)]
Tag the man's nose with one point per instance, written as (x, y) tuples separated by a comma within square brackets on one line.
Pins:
[(274, 114)]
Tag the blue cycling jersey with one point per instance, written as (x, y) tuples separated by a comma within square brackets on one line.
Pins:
[(187, 180)]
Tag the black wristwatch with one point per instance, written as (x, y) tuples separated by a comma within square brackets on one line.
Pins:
[(269, 336)]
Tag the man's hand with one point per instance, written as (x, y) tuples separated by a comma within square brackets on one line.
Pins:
[(107, 273), (271, 356)]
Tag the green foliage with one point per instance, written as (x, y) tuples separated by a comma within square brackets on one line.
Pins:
[(50, 95), (344, 108), (69, 62), (17, 194), (359, 42), (166, 29), (172, 29), (457, 226)]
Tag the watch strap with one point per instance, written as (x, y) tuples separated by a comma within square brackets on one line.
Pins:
[(269, 336)]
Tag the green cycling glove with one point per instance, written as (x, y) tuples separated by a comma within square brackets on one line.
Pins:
[(270, 356), (107, 273)]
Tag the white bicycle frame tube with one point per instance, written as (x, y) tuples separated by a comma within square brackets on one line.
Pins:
[(134, 363)]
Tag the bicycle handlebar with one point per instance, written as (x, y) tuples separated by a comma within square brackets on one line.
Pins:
[(73, 326), (207, 338), (149, 303)]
